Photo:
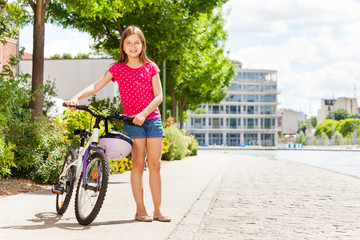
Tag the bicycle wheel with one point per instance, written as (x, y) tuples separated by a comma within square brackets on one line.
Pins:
[(63, 200), (90, 196)]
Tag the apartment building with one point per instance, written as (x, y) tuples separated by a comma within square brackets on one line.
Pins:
[(248, 116), (329, 105)]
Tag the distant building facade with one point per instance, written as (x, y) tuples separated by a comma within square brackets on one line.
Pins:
[(248, 116), (7, 50), (328, 105), (288, 121)]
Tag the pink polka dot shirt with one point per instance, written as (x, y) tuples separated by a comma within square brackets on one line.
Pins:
[(135, 87)]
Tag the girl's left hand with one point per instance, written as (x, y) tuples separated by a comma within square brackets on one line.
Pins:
[(138, 119)]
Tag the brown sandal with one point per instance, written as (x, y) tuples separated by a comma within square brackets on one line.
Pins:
[(145, 218), (162, 218)]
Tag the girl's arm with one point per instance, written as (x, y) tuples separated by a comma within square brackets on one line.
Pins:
[(158, 96), (91, 89)]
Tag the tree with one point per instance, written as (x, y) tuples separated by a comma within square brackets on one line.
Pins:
[(313, 121), (170, 27), (338, 114), (327, 127), (12, 16), (39, 8)]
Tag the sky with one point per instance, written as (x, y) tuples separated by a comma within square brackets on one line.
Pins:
[(314, 45)]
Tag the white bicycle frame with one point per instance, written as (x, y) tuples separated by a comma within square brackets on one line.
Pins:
[(79, 162)]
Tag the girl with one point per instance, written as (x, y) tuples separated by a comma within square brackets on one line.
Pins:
[(141, 94)]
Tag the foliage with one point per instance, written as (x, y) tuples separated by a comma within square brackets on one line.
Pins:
[(12, 16), (68, 56), (301, 138), (338, 114), (42, 148), (179, 143), (346, 127), (120, 166), (338, 138), (6, 152), (313, 121), (189, 35), (324, 139), (326, 127), (193, 145)]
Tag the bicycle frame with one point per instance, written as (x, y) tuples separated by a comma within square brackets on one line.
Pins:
[(81, 161)]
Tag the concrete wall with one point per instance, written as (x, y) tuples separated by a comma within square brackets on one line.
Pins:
[(73, 75)]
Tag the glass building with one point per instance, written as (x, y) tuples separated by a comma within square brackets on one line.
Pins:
[(248, 116)]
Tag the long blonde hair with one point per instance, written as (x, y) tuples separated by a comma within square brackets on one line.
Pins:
[(130, 30)]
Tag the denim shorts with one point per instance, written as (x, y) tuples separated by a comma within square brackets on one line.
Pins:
[(151, 128)]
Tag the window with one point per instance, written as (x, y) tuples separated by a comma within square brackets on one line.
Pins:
[(232, 109), (216, 123), (232, 122), (232, 86), (197, 122), (250, 110), (200, 137), (232, 139), (216, 139), (250, 123), (251, 98), (216, 109)]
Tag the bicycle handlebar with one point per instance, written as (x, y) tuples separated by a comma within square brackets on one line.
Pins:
[(119, 116)]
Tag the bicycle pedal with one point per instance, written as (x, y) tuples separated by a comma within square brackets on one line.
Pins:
[(58, 189)]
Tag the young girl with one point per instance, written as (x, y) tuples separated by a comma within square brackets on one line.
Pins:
[(141, 94)]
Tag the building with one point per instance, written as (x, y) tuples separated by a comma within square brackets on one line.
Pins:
[(289, 121), (328, 105), (248, 116), (8, 49)]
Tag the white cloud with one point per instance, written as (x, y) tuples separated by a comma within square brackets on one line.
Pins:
[(274, 16)]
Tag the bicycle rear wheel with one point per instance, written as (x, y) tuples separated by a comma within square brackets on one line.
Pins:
[(90, 196), (63, 200)]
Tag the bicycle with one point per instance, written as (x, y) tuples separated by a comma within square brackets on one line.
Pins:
[(87, 167)]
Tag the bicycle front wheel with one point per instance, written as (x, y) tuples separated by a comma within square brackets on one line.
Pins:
[(67, 183), (91, 194)]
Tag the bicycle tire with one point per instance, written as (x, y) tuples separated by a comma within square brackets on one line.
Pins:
[(63, 200), (95, 188)]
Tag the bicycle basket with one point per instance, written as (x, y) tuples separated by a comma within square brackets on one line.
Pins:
[(117, 144)]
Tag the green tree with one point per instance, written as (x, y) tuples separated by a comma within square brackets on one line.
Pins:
[(346, 127), (338, 114), (327, 127), (55, 56), (12, 16), (66, 56), (313, 121), (170, 27)]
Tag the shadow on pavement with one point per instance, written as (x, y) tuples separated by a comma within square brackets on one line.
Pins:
[(51, 219)]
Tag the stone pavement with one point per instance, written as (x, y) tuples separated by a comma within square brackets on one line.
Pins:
[(211, 196), (260, 198)]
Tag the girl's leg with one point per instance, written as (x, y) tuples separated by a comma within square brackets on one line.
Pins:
[(154, 151), (138, 158)]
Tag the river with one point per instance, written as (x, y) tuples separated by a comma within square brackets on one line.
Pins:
[(345, 162)]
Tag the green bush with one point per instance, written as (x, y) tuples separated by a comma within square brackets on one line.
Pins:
[(41, 148), (180, 144), (6, 152)]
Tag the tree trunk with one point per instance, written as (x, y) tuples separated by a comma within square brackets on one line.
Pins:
[(38, 57), (173, 103), (181, 112)]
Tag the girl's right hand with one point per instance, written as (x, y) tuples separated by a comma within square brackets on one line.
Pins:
[(73, 101)]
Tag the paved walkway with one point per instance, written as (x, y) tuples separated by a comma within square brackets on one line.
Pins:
[(212, 196)]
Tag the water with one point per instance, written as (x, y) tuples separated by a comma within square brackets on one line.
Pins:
[(345, 162)]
